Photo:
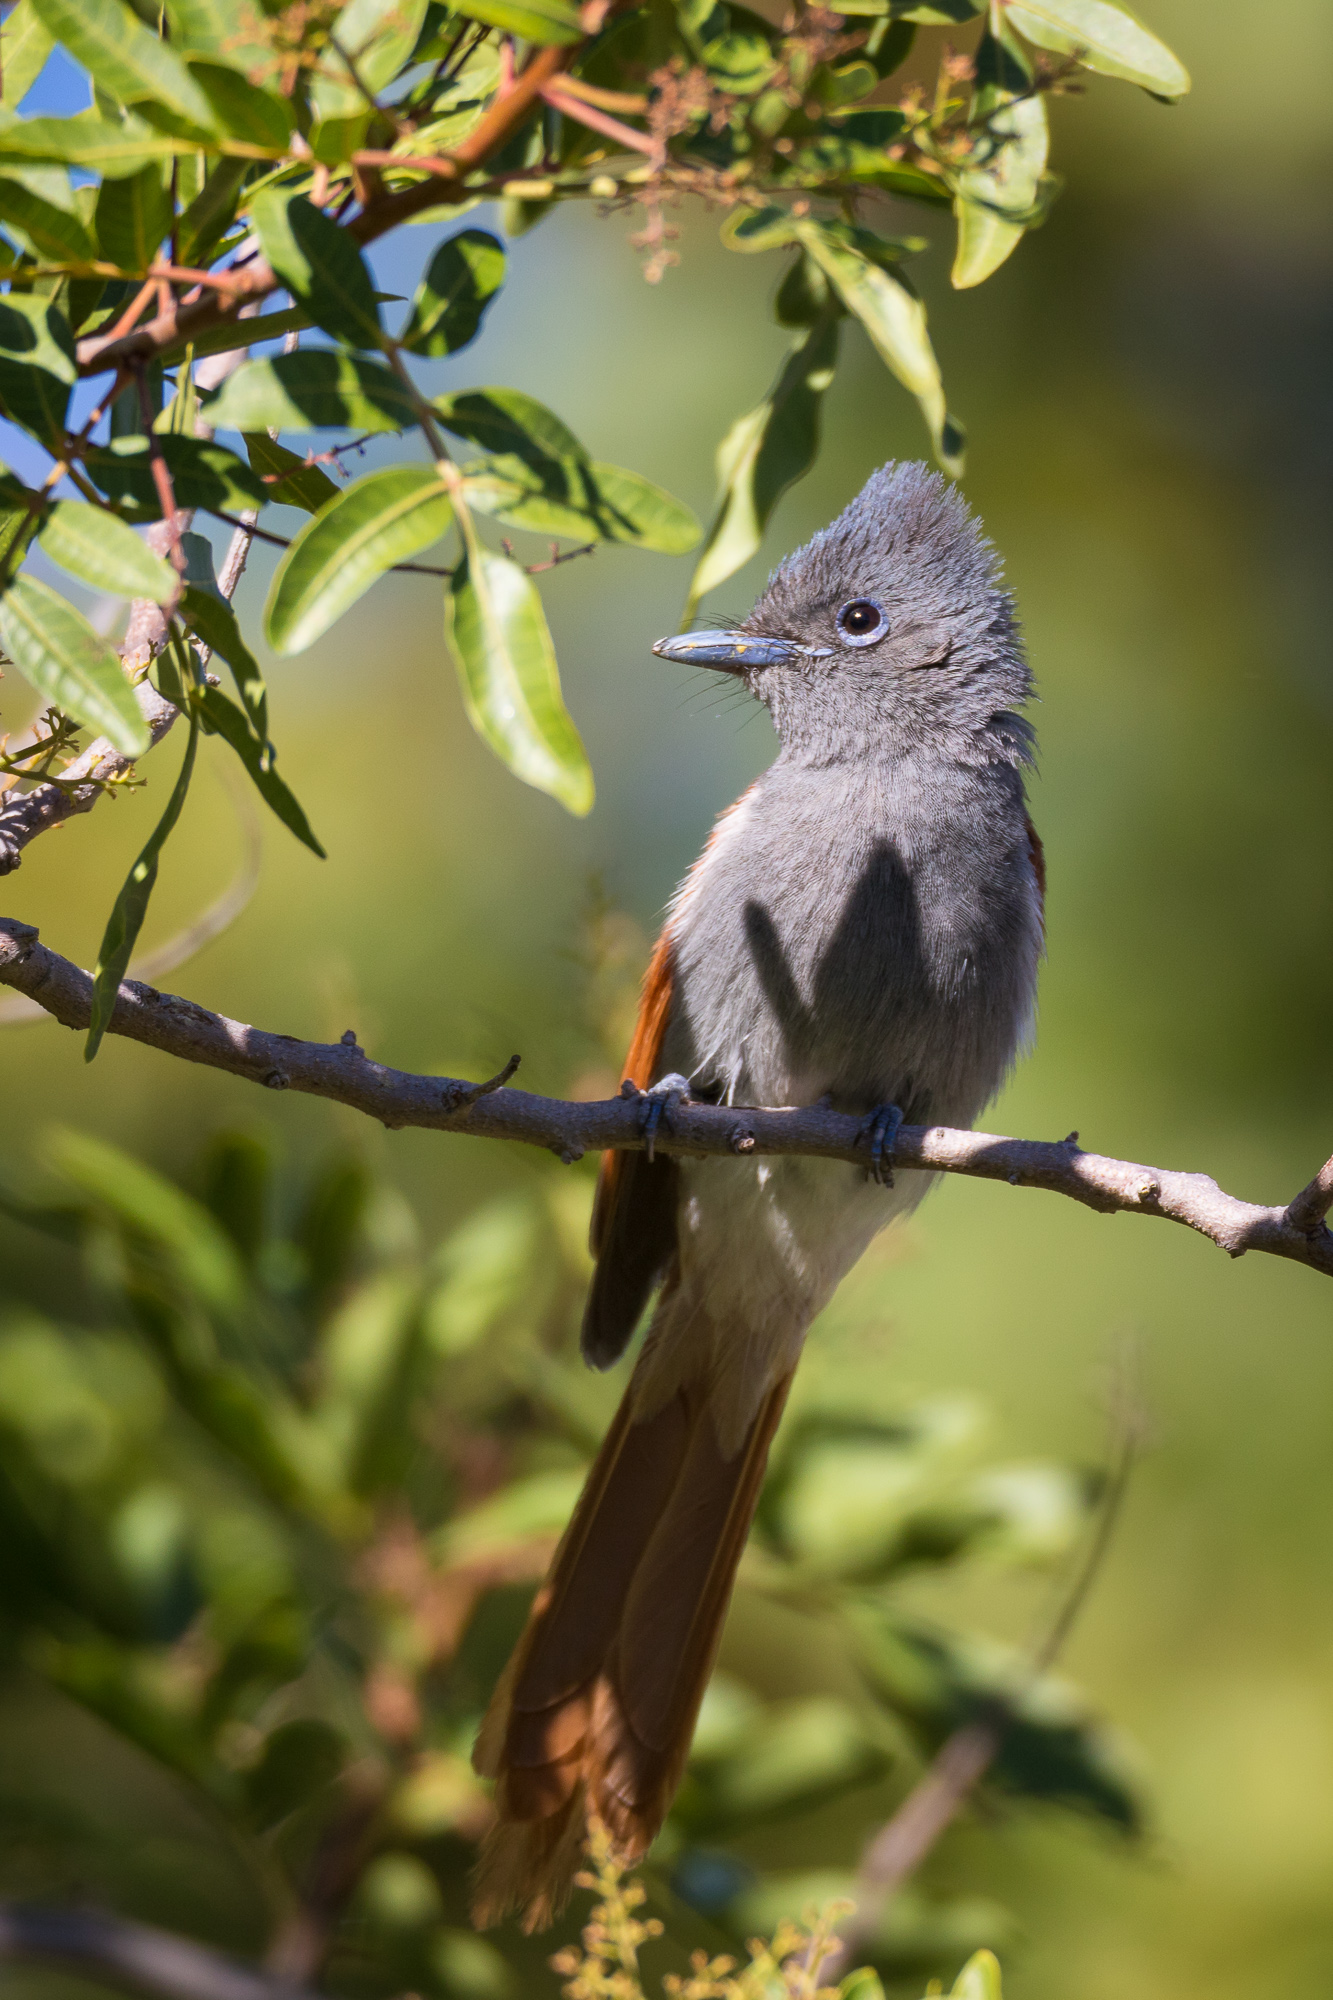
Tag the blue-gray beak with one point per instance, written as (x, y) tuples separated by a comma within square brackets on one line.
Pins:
[(731, 652)]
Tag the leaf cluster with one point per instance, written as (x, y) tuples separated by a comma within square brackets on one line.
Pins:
[(273, 1503)]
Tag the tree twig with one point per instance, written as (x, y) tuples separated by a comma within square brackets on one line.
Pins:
[(152, 1961), (398, 1098)]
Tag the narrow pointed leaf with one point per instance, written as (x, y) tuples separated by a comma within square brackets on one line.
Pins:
[(497, 632), (995, 198), (131, 905), (105, 553), (259, 117), (55, 235), (27, 42), (132, 217), (230, 723), (316, 389), (1108, 39), (549, 21), (214, 621), (36, 364), (288, 480), (319, 264), (763, 454), (584, 502), (87, 140), (59, 654), (895, 319), (378, 36), (203, 474), (463, 277), (509, 420), (127, 59), (385, 518)]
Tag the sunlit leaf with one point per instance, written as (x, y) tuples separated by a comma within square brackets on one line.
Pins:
[(55, 235), (202, 227), (581, 501), (462, 278), (979, 1979), (497, 632), (229, 722), (288, 480), (240, 333), (260, 117), (86, 140), (103, 552), (107, 38), (132, 218), (509, 420), (319, 264), (384, 518), (1104, 38), (549, 21), (214, 622), (131, 905), (316, 389), (378, 36), (895, 319), (763, 454), (36, 364), (203, 474), (994, 200), (59, 654), (27, 44)]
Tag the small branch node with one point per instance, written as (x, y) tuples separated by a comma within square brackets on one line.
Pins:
[(1306, 1213), (457, 1097), (1071, 1140), (569, 1154), (276, 1079), (628, 1088), (740, 1139)]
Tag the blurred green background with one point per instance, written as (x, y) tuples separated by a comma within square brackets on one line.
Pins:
[(1147, 391)]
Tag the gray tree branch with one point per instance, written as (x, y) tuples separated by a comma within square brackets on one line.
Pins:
[(344, 1073), (150, 1961)]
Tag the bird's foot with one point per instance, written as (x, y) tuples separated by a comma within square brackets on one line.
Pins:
[(655, 1105), (879, 1131)]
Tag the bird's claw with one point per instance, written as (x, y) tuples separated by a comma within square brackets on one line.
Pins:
[(655, 1105), (880, 1131)]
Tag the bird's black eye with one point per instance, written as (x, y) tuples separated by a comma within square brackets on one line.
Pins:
[(862, 622)]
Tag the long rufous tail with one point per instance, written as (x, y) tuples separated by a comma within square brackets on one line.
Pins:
[(596, 1709)]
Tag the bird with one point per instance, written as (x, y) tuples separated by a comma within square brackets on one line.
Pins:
[(864, 927)]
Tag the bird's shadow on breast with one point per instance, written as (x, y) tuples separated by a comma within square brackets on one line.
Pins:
[(872, 968)]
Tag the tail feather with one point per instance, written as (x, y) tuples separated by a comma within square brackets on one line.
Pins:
[(597, 1707)]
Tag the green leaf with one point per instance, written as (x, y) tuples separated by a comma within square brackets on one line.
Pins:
[(550, 21), (127, 60), (239, 108), (288, 480), (496, 629), (997, 196), (226, 31), (242, 333), (1108, 39), (895, 319), (36, 364), (763, 454), (55, 235), (132, 217), (61, 656), (26, 45), (104, 552), (202, 474), (214, 621), (229, 722), (509, 420), (319, 264), (99, 144), (979, 1979), (131, 905), (315, 389), (206, 221), (380, 520), (463, 277), (606, 502), (378, 36)]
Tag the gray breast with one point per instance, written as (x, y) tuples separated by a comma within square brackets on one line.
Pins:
[(871, 931)]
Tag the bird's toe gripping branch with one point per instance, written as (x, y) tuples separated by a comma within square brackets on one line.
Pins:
[(656, 1103), (879, 1132)]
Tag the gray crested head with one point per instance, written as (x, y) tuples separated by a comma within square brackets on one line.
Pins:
[(888, 633)]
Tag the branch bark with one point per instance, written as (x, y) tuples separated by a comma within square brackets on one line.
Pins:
[(342, 1072), (151, 1961)]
